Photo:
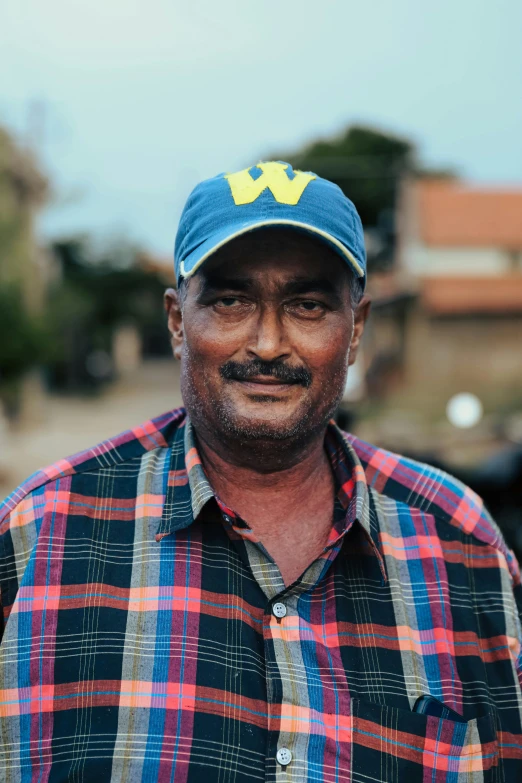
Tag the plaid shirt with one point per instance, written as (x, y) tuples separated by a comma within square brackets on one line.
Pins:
[(148, 636)]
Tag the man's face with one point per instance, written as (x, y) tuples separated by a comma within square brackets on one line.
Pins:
[(264, 338)]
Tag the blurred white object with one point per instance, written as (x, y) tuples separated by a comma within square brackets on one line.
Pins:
[(126, 349), (354, 388), (464, 410), (4, 440)]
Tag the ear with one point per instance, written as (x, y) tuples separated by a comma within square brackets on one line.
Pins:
[(361, 314), (174, 320)]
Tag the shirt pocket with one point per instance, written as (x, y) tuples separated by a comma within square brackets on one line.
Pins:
[(392, 745)]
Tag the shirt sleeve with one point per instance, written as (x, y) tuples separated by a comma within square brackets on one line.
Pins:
[(517, 591), (2, 579), (19, 530)]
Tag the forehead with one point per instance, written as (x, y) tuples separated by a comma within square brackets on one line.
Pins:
[(277, 253)]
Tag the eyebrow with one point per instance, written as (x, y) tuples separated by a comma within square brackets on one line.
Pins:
[(295, 286), (300, 285), (212, 284)]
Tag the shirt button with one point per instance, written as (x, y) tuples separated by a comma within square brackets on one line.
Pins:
[(279, 610), (284, 756)]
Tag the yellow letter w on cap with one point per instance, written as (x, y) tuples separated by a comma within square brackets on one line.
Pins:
[(246, 190)]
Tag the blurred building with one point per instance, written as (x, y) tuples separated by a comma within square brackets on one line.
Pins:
[(448, 318), (449, 229), (460, 251)]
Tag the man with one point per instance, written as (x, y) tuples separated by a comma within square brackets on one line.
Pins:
[(238, 590)]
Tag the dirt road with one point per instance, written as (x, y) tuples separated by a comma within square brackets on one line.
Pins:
[(72, 424)]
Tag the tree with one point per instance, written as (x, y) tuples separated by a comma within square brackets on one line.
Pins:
[(23, 189), (24, 343), (100, 288), (368, 165)]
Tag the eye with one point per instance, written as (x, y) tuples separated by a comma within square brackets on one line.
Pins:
[(307, 308), (231, 305)]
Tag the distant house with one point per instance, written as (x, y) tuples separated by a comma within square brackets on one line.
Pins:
[(459, 269), (450, 229)]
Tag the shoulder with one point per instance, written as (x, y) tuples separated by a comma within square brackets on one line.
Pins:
[(432, 491), (153, 434)]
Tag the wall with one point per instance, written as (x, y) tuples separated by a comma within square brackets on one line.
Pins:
[(479, 354), (421, 260)]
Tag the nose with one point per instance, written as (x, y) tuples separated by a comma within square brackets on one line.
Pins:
[(268, 340)]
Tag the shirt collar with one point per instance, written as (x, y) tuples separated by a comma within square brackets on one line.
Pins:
[(188, 490), (353, 491)]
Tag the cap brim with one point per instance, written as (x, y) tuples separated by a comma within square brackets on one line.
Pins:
[(198, 257)]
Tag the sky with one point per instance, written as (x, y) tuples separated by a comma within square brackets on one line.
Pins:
[(130, 103)]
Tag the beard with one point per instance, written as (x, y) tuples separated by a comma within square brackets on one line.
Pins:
[(215, 414)]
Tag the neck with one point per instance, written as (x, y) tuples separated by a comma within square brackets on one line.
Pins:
[(283, 473), (290, 509)]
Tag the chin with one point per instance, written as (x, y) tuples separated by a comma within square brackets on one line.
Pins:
[(253, 425)]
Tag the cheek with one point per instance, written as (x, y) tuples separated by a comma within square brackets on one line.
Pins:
[(208, 344), (325, 351)]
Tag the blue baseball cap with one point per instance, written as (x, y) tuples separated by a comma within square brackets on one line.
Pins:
[(271, 193)]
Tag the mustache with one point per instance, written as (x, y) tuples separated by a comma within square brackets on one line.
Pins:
[(237, 371)]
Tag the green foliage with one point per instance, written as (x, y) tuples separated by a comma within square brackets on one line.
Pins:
[(25, 342), (22, 188), (100, 289), (24, 339), (368, 165)]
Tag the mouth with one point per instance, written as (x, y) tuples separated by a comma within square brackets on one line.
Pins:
[(265, 384)]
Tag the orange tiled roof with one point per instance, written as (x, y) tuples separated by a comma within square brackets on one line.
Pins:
[(461, 295), (452, 214)]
